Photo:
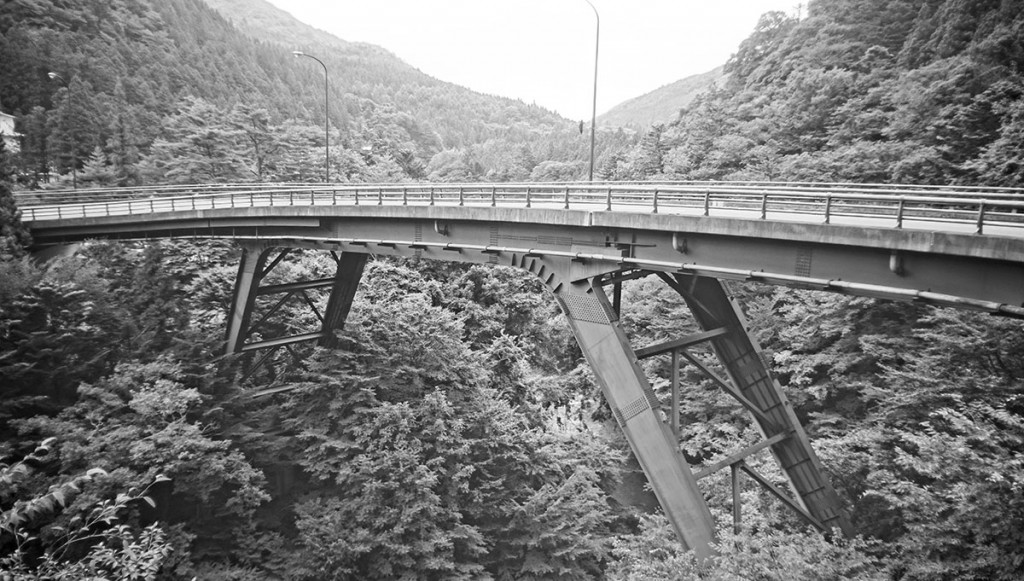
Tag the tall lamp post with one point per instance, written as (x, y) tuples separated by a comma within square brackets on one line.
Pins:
[(593, 117), (74, 152), (327, 116)]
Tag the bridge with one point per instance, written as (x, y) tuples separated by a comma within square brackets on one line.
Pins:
[(951, 247)]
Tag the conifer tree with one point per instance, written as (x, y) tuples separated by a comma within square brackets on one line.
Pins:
[(14, 236)]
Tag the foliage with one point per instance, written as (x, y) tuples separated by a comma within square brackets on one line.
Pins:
[(14, 236), (424, 469), (93, 543), (653, 554), (927, 94)]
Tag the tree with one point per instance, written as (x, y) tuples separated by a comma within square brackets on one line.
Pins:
[(125, 142), (35, 151), (76, 129), (199, 147), (97, 542), (262, 140), (14, 236), (143, 421), (97, 170)]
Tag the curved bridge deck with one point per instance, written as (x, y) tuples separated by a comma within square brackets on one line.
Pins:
[(956, 247)]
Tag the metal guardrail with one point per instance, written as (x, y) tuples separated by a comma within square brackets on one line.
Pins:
[(978, 210)]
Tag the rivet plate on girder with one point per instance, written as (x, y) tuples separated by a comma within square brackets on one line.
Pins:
[(585, 308), (635, 407)]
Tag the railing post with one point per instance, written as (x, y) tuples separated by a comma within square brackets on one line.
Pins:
[(405, 196), (527, 196), (291, 198), (336, 197), (899, 214), (707, 202), (462, 200), (380, 196), (494, 196), (981, 217), (312, 197), (655, 211), (566, 197), (152, 210), (431, 195), (252, 200), (828, 208), (764, 205), (609, 198)]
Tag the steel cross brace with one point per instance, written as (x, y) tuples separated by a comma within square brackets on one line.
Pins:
[(253, 268)]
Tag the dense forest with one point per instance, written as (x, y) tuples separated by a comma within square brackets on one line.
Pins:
[(870, 91), (455, 432)]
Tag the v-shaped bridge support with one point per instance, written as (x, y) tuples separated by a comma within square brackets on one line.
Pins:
[(260, 260), (654, 440), (651, 431)]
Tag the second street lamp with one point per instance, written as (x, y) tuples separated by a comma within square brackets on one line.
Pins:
[(593, 116), (74, 145), (327, 116)]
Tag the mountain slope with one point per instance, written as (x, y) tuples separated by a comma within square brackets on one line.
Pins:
[(126, 68), (456, 114), (264, 20), (662, 105)]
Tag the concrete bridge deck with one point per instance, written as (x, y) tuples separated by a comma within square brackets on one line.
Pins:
[(955, 247)]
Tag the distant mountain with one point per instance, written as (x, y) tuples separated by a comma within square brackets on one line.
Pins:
[(662, 105)]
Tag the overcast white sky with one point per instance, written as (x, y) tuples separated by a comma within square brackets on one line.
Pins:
[(542, 51)]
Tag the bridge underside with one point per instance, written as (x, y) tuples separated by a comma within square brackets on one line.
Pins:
[(960, 270)]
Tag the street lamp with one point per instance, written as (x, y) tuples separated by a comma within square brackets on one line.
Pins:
[(593, 117), (74, 153), (327, 117)]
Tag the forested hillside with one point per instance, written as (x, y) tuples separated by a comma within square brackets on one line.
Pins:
[(456, 432), (172, 91), (905, 91)]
